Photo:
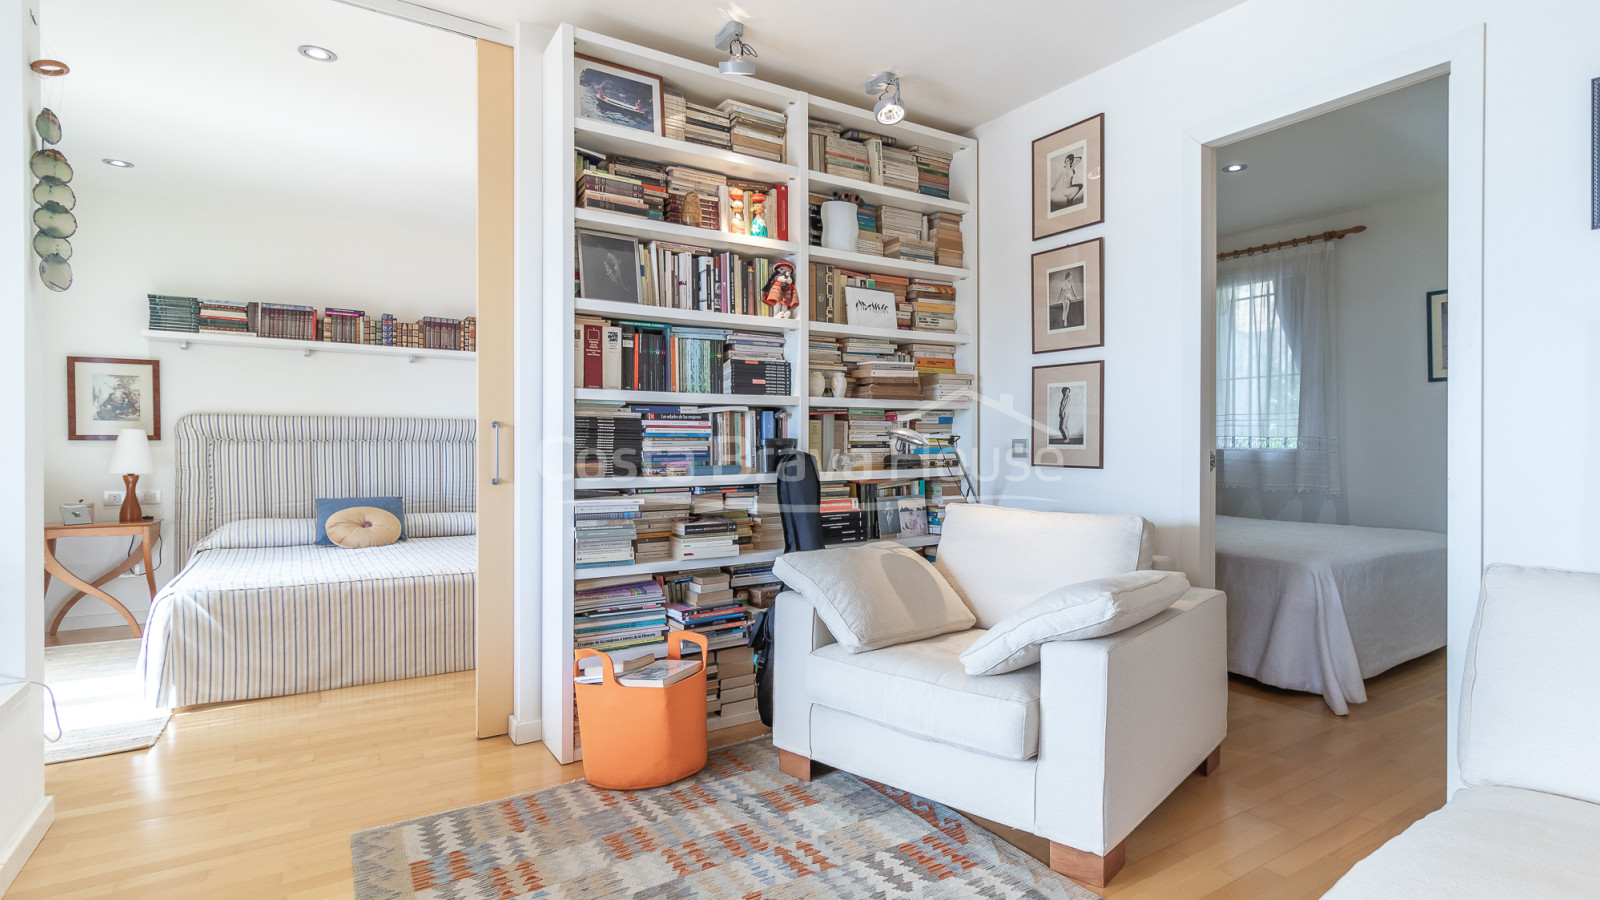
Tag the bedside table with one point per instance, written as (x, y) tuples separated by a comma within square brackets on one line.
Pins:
[(146, 530)]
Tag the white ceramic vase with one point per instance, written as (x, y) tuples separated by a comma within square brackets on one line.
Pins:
[(839, 225), (818, 383)]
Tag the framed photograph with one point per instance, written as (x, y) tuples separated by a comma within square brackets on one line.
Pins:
[(608, 267), (106, 395), (617, 94), (1069, 404), (1069, 297), (1069, 178), (1438, 335), (869, 307)]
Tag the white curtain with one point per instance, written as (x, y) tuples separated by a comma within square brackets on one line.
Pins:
[(1277, 372)]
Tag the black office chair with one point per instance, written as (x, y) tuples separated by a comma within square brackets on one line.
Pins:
[(799, 501)]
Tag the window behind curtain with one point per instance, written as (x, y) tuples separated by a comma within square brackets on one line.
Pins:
[(1258, 378)]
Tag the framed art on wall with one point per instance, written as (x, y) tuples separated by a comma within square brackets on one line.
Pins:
[(1438, 335), (1069, 297), (1069, 178), (106, 395), (1069, 403), (617, 94), (608, 267)]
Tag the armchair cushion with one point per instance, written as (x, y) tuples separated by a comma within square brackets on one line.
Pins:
[(1088, 609), (920, 689), (875, 595)]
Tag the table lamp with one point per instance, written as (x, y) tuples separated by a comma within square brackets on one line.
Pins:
[(130, 458)]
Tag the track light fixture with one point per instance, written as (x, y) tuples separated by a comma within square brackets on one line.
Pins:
[(730, 40), (890, 109)]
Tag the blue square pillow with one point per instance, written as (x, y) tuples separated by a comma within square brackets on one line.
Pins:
[(328, 506)]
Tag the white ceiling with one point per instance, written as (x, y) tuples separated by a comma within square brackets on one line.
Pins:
[(210, 99), (1382, 149)]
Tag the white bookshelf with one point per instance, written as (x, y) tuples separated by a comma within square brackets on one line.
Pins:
[(305, 348), (563, 133)]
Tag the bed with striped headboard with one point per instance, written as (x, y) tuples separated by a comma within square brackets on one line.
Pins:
[(258, 610)]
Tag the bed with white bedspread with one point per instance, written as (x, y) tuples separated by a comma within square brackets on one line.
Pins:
[(1320, 608), (259, 610)]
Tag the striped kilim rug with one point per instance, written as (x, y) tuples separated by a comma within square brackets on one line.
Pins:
[(738, 830)]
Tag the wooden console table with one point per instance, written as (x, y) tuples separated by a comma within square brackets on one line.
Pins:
[(146, 530)]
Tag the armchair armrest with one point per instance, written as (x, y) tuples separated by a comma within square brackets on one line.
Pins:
[(1125, 718), (798, 631)]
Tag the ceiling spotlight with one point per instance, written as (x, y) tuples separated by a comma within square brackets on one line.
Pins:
[(887, 86), (317, 54), (730, 40), (118, 163), (1235, 167)]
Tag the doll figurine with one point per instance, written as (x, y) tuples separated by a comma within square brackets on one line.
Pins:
[(779, 292), (758, 215)]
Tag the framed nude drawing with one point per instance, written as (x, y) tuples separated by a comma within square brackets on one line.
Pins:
[(1069, 178), (1069, 297), (1069, 404)]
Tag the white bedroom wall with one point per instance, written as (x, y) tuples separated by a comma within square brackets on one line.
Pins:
[(129, 245), (1541, 325), (1394, 418)]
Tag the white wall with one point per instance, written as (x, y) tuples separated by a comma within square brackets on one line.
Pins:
[(1541, 324), (1394, 418), (130, 245)]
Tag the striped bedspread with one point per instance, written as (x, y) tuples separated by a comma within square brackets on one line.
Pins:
[(241, 622)]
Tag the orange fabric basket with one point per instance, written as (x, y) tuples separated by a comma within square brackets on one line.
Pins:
[(643, 737)]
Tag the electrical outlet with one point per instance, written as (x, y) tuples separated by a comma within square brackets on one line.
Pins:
[(114, 498), (150, 497)]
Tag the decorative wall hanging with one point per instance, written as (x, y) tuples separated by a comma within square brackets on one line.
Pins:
[(107, 394), (54, 217), (1069, 178), (1069, 403), (1069, 297)]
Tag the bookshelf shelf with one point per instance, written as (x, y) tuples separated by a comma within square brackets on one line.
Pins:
[(891, 334), (887, 474), (866, 262), (914, 540), (675, 565), (642, 312), (652, 481), (686, 399), (305, 348), (820, 403), (881, 195), (635, 226), (603, 137)]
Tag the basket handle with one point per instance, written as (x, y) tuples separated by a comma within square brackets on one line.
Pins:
[(675, 641), (608, 675)]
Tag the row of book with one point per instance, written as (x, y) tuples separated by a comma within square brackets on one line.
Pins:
[(615, 439), (878, 159), (683, 276), (682, 195), (844, 440), (880, 510), (920, 304), (654, 356), (899, 233), (646, 525), (307, 323), (731, 125)]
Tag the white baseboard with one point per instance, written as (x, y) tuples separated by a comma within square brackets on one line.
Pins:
[(16, 853), (530, 731)]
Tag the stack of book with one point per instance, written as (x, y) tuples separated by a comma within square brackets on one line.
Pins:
[(709, 537), (755, 364), (934, 305), (677, 440), (753, 584), (756, 131), (705, 125), (817, 136), (856, 350), (941, 493), (659, 508), (606, 192), (345, 326), (944, 229), (224, 316), (899, 223), (469, 334), (886, 380), (843, 521), (286, 321), (946, 386), (174, 313), (736, 683), (828, 284), (931, 358), (692, 197), (824, 355), (846, 159), (933, 171), (652, 179), (622, 613), (913, 249), (935, 426), (899, 169), (607, 440), (674, 113), (701, 601), (603, 528)]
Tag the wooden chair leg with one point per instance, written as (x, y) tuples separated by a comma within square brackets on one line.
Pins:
[(1212, 763), (1080, 865), (795, 766)]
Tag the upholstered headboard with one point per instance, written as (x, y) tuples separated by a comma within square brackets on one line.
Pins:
[(233, 466)]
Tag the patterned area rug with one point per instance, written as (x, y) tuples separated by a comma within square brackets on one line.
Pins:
[(738, 830), (101, 699)]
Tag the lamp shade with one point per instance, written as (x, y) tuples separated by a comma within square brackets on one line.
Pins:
[(131, 455)]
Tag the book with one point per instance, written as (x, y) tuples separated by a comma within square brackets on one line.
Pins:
[(662, 673), (591, 667)]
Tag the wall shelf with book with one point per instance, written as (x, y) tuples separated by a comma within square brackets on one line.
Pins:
[(707, 200), (304, 348)]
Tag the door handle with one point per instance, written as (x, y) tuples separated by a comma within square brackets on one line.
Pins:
[(496, 426)]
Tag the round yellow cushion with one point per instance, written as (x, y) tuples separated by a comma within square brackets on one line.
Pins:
[(363, 526)]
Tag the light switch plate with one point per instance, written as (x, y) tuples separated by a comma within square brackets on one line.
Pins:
[(152, 496), (1019, 448)]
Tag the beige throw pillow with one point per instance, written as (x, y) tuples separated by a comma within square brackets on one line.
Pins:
[(363, 526), (875, 595)]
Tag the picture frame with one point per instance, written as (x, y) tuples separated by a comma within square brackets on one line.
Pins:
[(1069, 405), (1069, 297), (1438, 335), (607, 92), (869, 307), (608, 267), (1069, 178), (106, 394), (1594, 153)]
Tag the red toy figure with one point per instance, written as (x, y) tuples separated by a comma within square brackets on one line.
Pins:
[(779, 292)]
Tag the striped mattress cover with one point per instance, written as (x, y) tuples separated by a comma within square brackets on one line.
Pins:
[(261, 612)]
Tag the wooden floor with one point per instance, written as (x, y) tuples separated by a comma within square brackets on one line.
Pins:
[(259, 799)]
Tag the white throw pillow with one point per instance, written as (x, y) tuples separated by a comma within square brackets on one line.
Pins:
[(1088, 609), (875, 595)]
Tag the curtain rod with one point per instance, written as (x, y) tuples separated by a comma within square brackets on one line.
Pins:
[(1308, 239)]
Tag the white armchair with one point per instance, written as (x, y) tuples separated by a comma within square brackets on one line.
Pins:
[(1077, 749)]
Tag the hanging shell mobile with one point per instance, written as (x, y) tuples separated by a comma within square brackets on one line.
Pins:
[(54, 217)]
